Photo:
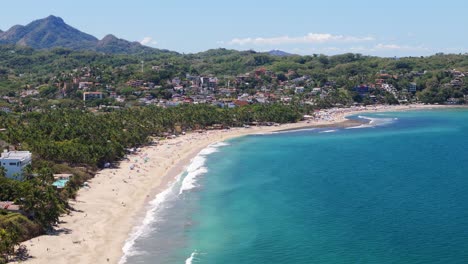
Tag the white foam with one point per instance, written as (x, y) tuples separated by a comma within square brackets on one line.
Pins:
[(208, 151), (219, 144), (292, 131), (196, 163), (328, 131), (373, 122), (264, 133), (197, 168), (151, 216), (191, 258), (212, 148), (360, 126), (190, 181)]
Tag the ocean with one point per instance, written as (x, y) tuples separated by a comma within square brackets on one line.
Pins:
[(392, 191)]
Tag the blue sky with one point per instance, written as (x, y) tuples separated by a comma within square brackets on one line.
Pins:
[(382, 28)]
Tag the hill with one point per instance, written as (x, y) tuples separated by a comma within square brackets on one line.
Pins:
[(112, 44), (279, 53), (47, 33), (53, 32)]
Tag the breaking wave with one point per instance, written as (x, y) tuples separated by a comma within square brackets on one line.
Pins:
[(374, 122), (174, 190)]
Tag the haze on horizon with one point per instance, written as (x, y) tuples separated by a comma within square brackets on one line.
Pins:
[(399, 28)]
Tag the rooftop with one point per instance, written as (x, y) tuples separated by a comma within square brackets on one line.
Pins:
[(15, 155), (7, 205), (62, 176)]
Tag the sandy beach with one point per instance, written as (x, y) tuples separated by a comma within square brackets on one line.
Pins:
[(116, 200)]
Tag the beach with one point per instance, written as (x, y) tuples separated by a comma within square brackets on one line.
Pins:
[(106, 213)]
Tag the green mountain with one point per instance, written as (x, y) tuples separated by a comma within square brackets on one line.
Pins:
[(53, 32), (112, 44), (47, 33)]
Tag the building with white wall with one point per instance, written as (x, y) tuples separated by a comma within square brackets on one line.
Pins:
[(14, 162)]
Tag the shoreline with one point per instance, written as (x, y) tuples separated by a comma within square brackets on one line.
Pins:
[(107, 213)]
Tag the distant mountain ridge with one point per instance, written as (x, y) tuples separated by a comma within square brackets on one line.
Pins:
[(280, 53), (112, 44), (52, 32)]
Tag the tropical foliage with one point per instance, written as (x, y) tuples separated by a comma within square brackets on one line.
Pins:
[(84, 138)]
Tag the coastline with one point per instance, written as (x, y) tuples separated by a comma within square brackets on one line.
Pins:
[(117, 199)]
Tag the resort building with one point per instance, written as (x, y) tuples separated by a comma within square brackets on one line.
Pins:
[(14, 162)]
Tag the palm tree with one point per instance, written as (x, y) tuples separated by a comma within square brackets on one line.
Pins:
[(3, 172)]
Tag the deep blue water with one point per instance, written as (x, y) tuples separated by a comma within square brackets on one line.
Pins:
[(393, 192)]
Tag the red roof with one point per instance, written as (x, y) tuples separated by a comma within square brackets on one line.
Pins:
[(240, 103)]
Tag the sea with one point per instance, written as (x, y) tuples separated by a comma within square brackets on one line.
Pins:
[(393, 190)]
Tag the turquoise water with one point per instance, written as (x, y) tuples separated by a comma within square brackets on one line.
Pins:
[(393, 192)]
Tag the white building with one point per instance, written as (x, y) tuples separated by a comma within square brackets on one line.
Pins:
[(299, 90), (14, 162)]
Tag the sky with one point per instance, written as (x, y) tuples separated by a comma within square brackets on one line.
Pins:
[(370, 27)]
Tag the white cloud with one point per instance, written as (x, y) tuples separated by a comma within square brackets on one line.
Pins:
[(148, 41), (311, 38), (388, 46), (381, 46), (318, 50)]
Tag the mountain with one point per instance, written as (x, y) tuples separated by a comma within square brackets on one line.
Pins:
[(279, 53), (52, 32), (47, 33), (112, 44)]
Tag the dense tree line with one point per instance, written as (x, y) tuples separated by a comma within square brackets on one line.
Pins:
[(84, 138)]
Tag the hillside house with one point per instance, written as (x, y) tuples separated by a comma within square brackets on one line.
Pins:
[(412, 88), (362, 90), (14, 162), (299, 90), (92, 95)]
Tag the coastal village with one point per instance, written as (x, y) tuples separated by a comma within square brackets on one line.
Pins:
[(90, 136), (323, 100), (260, 86)]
